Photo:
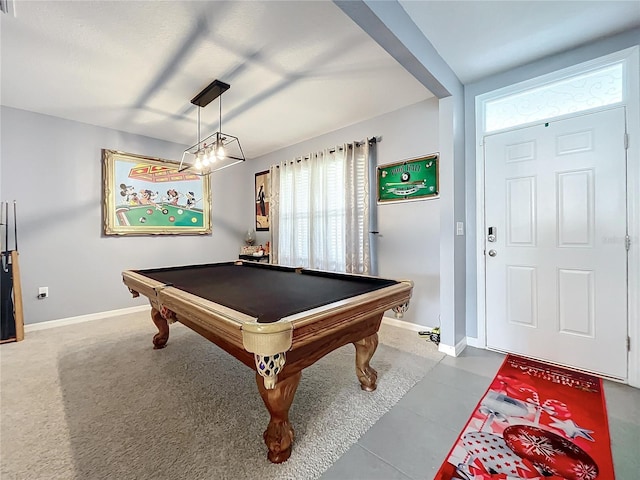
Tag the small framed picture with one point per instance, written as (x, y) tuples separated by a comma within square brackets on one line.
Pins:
[(262, 192), (149, 196), (414, 179)]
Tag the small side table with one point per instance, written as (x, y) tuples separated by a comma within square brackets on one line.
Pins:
[(253, 258)]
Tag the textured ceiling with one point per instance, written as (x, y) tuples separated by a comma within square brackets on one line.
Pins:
[(297, 69), (481, 38)]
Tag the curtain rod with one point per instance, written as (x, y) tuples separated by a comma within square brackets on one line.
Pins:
[(372, 140)]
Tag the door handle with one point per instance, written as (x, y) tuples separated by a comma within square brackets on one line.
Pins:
[(492, 253)]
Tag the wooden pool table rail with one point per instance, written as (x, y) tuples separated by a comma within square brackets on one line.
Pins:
[(234, 331)]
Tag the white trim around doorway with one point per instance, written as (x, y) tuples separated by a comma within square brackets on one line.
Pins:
[(631, 56)]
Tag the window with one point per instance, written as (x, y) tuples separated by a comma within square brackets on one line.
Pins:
[(585, 91), (320, 211), (312, 206)]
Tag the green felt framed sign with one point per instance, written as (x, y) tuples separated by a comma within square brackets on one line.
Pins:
[(414, 179)]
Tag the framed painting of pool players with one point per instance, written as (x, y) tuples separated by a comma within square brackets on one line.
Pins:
[(414, 179), (149, 196), (262, 192)]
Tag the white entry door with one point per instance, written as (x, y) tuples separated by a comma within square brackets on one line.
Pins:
[(556, 285)]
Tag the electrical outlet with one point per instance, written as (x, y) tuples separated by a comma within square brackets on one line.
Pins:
[(459, 228), (43, 292)]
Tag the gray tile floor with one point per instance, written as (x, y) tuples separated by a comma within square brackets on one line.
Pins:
[(412, 440)]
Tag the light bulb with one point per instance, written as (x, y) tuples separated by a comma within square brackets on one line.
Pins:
[(206, 157), (220, 153), (198, 162)]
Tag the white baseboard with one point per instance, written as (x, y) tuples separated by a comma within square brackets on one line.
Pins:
[(83, 318), (406, 325), (451, 350)]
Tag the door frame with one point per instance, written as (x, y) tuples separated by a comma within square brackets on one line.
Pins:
[(631, 103)]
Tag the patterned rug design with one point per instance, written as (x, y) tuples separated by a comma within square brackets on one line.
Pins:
[(536, 421)]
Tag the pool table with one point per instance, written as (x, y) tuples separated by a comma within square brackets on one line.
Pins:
[(276, 320)]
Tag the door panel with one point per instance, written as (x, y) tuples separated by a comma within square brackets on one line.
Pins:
[(556, 289)]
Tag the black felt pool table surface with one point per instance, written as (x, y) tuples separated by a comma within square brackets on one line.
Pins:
[(267, 292)]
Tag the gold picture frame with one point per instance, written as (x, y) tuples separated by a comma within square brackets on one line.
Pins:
[(149, 196)]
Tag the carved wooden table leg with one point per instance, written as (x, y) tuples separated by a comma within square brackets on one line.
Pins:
[(365, 349), (279, 434), (160, 339)]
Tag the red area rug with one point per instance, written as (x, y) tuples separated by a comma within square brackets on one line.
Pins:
[(535, 421)]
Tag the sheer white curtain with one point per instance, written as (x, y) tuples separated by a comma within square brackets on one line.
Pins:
[(320, 210)]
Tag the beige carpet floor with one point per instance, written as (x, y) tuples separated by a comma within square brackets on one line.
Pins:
[(95, 401)]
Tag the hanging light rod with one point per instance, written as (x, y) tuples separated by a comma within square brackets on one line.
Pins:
[(210, 93)]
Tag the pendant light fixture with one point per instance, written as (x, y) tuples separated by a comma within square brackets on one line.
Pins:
[(218, 150)]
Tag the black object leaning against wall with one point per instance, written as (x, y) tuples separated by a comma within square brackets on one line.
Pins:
[(9, 312)]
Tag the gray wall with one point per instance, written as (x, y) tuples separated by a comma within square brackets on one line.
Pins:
[(52, 168), (410, 241), (59, 197), (511, 77)]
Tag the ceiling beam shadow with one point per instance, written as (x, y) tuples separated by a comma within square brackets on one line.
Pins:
[(288, 80), (173, 65)]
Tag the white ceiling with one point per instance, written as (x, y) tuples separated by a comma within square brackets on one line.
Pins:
[(480, 38), (297, 69)]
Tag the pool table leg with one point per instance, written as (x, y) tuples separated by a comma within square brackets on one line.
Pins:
[(161, 338), (279, 433), (365, 349)]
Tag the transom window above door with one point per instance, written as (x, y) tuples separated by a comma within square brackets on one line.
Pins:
[(578, 93)]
